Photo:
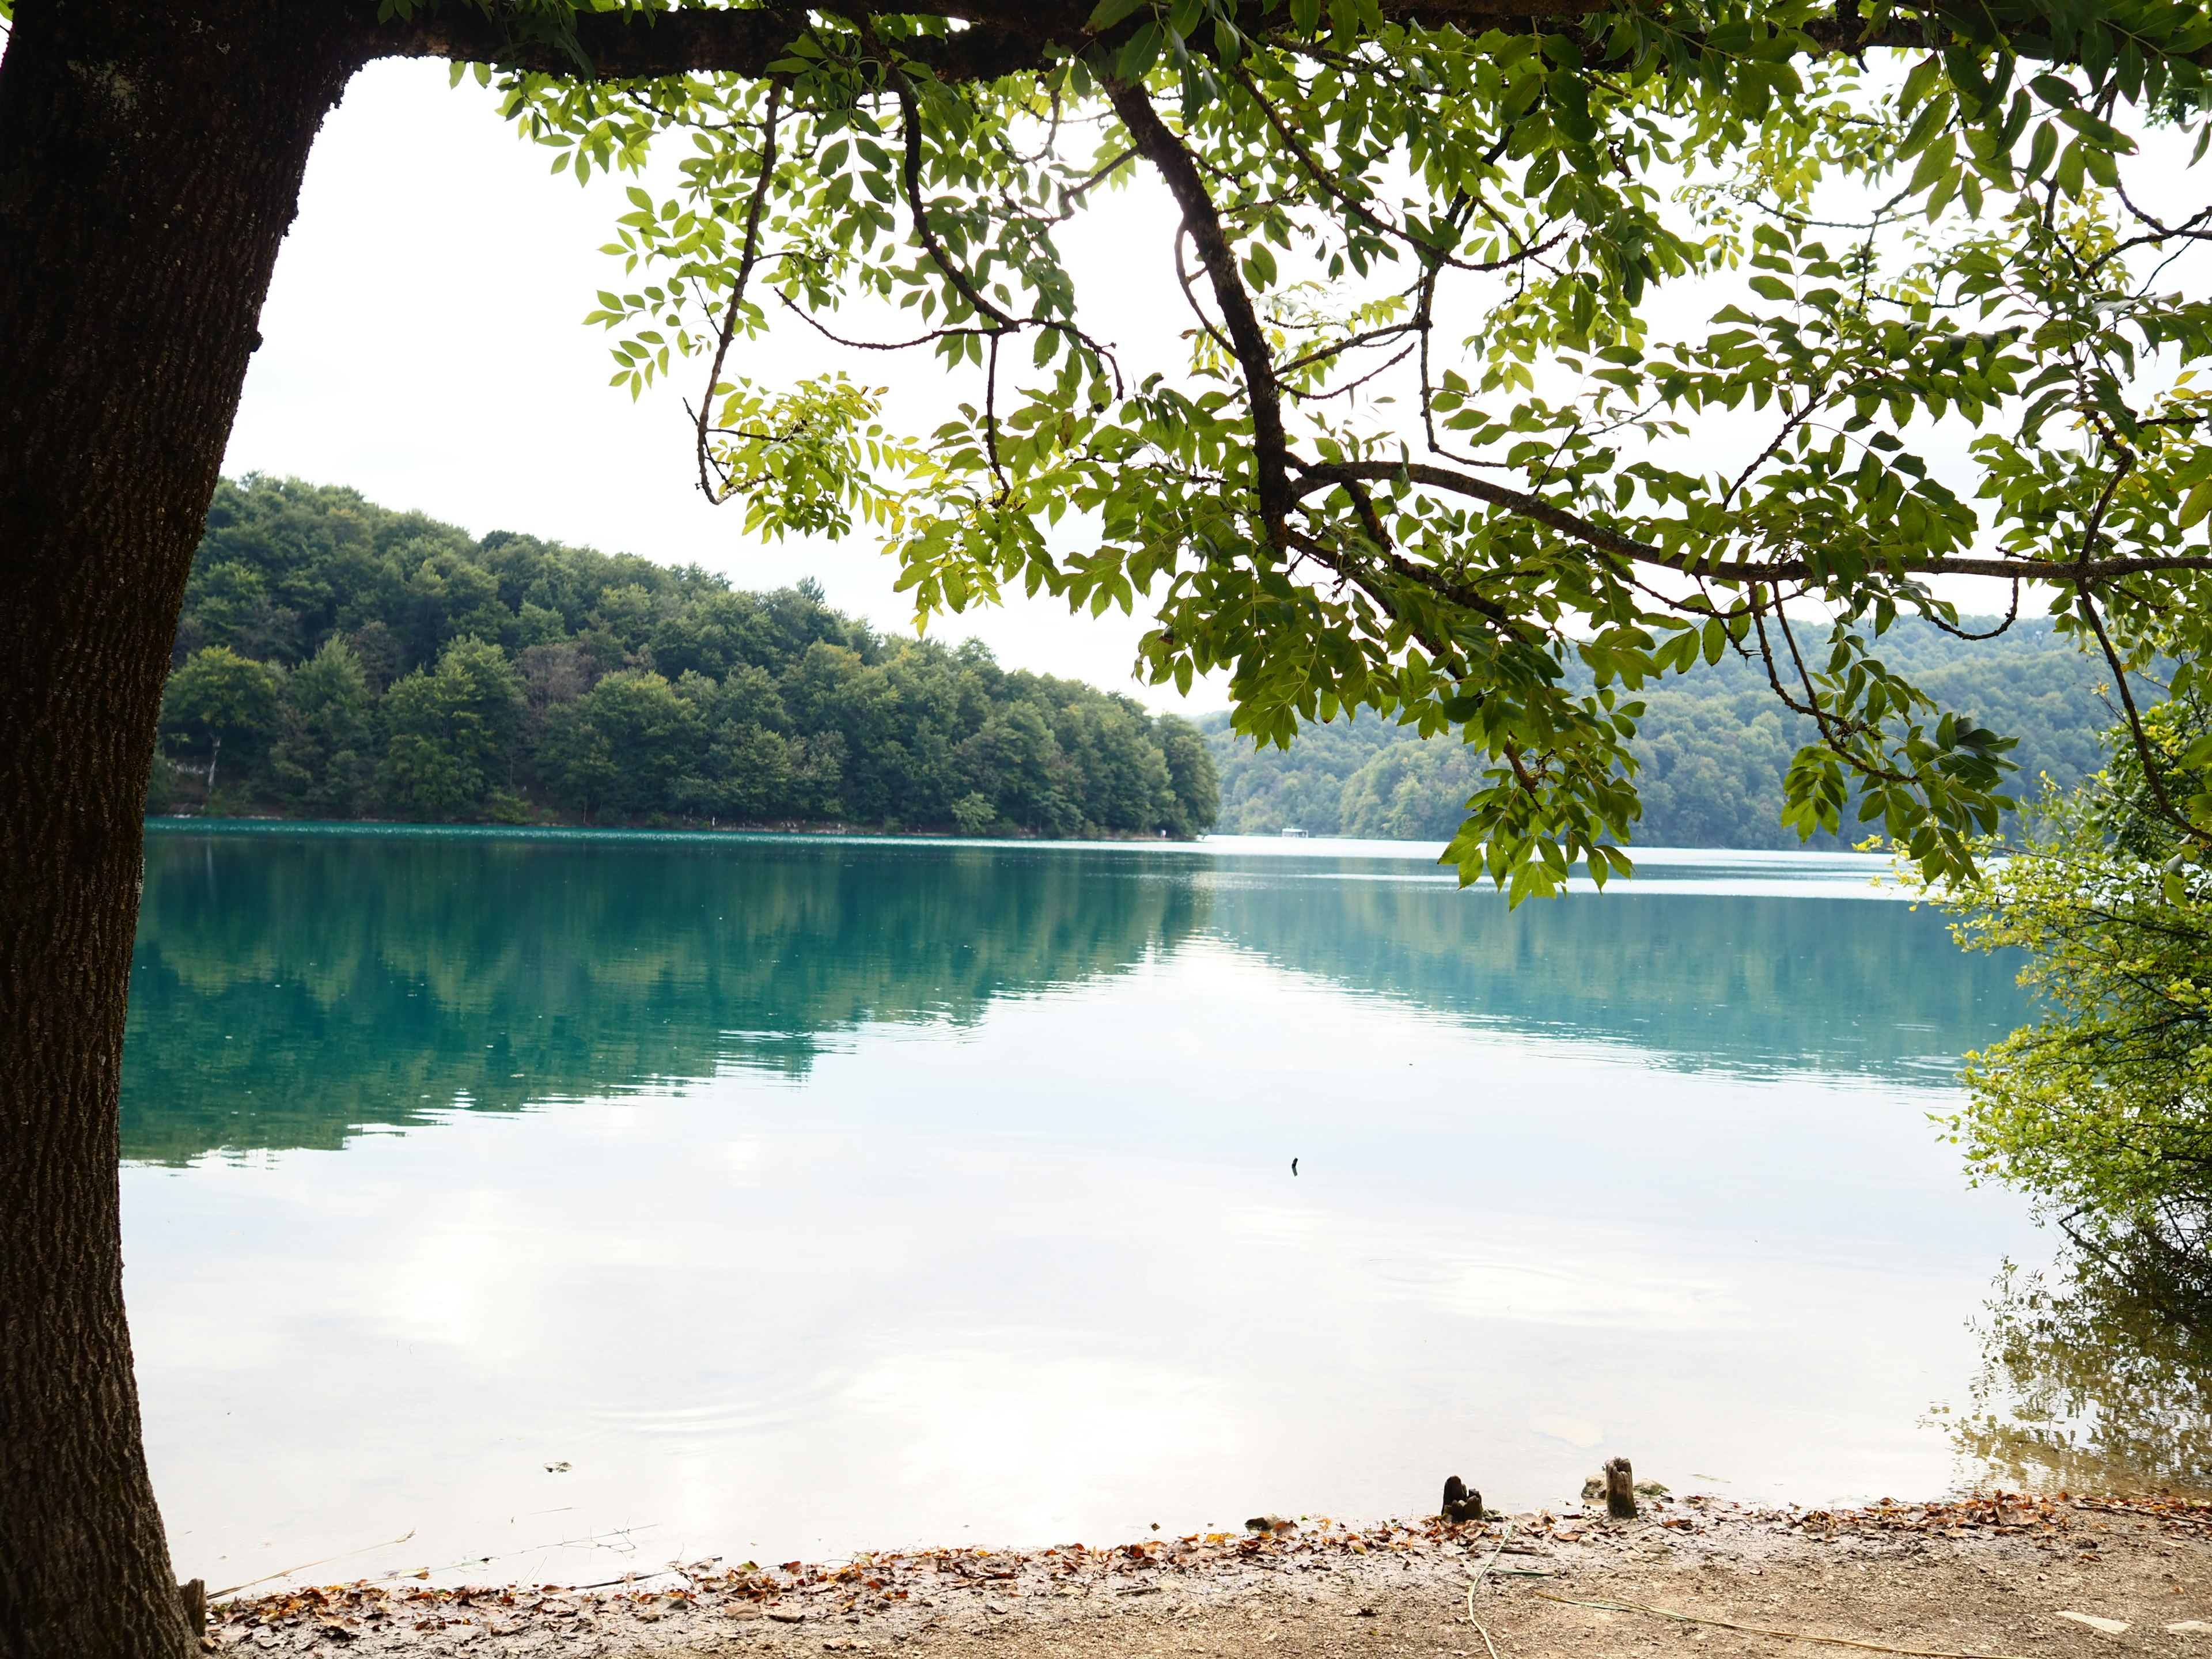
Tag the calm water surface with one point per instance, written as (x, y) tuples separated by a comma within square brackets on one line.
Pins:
[(796, 1196)]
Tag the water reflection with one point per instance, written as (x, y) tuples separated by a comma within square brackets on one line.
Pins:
[(959, 1176), (2098, 1374), (1711, 981), (290, 988)]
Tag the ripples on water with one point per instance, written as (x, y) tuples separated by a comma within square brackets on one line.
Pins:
[(803, 1195)]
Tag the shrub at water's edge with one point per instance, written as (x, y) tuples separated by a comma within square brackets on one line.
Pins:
[(339, 660), (2102, 1109)]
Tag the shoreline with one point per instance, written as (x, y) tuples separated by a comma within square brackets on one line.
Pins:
[(1985, 1575), (822, 829)]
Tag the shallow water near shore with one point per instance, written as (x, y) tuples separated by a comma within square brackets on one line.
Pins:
[(580, 1202)]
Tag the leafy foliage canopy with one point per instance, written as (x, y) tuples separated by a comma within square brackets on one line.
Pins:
[(1715, 747), (1430, 445)]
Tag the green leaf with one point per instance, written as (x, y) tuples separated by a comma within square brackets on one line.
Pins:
[(1919, 81), (1936, 162), (1140, 52), (2101, 134), (2071, 161), (2041, 152)]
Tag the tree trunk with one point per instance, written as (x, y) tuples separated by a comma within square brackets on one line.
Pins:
[(151, 158)]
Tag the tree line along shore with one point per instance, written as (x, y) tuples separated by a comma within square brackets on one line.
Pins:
[(338, 659), (335, 660)]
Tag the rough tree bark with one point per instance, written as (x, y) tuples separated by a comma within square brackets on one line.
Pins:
[(151, 153)]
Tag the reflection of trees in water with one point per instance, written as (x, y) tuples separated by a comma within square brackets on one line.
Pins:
[(289, 985), (1702, 980), (2098, 1376), (289, 989)]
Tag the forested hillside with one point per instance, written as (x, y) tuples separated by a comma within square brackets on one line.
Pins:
[(338, 660), (1715, 746)]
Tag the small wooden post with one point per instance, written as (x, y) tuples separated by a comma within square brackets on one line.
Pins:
[(194, 1594), (1619, 1489), (1460, 1503)]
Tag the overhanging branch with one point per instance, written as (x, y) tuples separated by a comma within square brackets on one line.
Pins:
[(990, 38), (648, 46), (2068, 573), (1172, 160)]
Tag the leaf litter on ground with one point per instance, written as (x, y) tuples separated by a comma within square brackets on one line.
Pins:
[(878, 1584)]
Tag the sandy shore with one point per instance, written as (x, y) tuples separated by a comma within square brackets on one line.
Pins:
[(1982, 1577)]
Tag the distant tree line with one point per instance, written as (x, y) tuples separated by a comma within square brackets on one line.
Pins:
[(1715, 746), (339, 660)]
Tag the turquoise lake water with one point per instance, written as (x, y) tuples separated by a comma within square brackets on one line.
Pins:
[(793, 1196)]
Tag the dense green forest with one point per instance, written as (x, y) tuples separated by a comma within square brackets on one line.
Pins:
[(339, 660), (1715, 746)]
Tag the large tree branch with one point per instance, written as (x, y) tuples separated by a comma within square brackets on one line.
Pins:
[(1262, 391), (725, 41), (2064, 573), (991, 37)]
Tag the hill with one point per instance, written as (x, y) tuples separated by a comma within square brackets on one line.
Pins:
[(1715, 744), (337, 659)]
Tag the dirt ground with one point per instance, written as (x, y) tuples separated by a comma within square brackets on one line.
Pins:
[(1981, 1576)]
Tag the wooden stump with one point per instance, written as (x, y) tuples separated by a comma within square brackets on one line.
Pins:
[(1460, 1505), (1619, 1489)]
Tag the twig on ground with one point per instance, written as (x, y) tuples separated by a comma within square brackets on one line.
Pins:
[(2150, 1511), (1503, 1538), (304, 1566), (1763, 1630)]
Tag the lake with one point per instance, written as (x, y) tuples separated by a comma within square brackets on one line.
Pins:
[(580, 1202)]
